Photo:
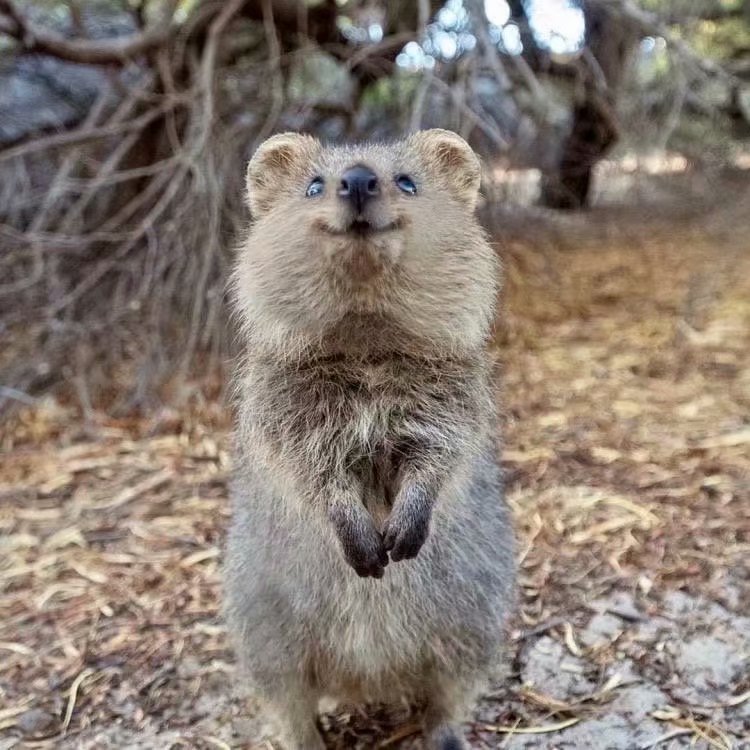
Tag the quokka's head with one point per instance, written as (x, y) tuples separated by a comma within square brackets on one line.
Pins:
[(385, 231)]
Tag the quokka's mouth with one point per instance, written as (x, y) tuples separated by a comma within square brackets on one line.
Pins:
[(361, 228)]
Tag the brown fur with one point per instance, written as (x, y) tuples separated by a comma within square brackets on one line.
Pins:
[(366, 438)]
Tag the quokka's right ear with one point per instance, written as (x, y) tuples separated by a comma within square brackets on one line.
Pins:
[(278, 163)]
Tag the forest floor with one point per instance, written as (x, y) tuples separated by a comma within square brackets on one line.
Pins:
[(626, 406)]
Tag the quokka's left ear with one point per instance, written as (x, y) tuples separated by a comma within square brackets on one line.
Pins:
[(453, 159)]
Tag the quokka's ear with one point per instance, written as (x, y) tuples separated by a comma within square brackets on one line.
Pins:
[(278, 163), (451, 157)]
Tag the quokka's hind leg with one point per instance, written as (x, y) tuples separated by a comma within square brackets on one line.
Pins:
[(286, 695), (273, 652), (445, 709), (294, 711)]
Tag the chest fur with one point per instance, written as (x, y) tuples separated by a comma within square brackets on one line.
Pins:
[(332, 415)]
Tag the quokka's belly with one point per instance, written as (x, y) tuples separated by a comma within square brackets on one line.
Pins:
[(377, 643), (425, 615)]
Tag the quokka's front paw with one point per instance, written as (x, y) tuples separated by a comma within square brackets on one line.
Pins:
[(361, 542), (407, 527)]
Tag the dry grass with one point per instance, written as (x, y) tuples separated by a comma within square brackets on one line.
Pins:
[(626, 402), (627, 420)]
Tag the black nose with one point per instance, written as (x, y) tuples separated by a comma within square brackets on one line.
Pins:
[(358, 185)]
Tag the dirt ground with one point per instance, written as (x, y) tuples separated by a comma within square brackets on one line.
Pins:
[(626, 406)]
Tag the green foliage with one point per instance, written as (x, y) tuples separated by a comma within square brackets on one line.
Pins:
[(396, 93), (317, 78), (722, 40), (705, 140)]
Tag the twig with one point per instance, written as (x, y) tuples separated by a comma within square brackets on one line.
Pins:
[(129, 494), (665, 738), (274, 65), (7, 393), (543, 627), (542, 729), (83, 135)]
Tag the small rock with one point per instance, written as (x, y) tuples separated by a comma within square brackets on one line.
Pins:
[(601, 628), (36, 721)]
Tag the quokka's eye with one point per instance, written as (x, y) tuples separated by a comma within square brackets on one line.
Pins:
[(405, 184), (315, 187)]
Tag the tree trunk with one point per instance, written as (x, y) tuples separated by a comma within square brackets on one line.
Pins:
[(593, 133), (610, 41)]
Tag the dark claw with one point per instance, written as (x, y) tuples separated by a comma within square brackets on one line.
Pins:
[(409, 543), (408, 526), (372, 569), (367, 571), (361, 543)]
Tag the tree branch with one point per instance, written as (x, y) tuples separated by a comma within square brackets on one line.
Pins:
[(650, 24), (86, 51)]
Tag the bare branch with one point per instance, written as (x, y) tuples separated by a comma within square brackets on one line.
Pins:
[(86, 51), (650, 24), (275, 74), (82, 135)]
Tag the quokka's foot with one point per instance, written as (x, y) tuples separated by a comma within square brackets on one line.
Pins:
[(445, 737)]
